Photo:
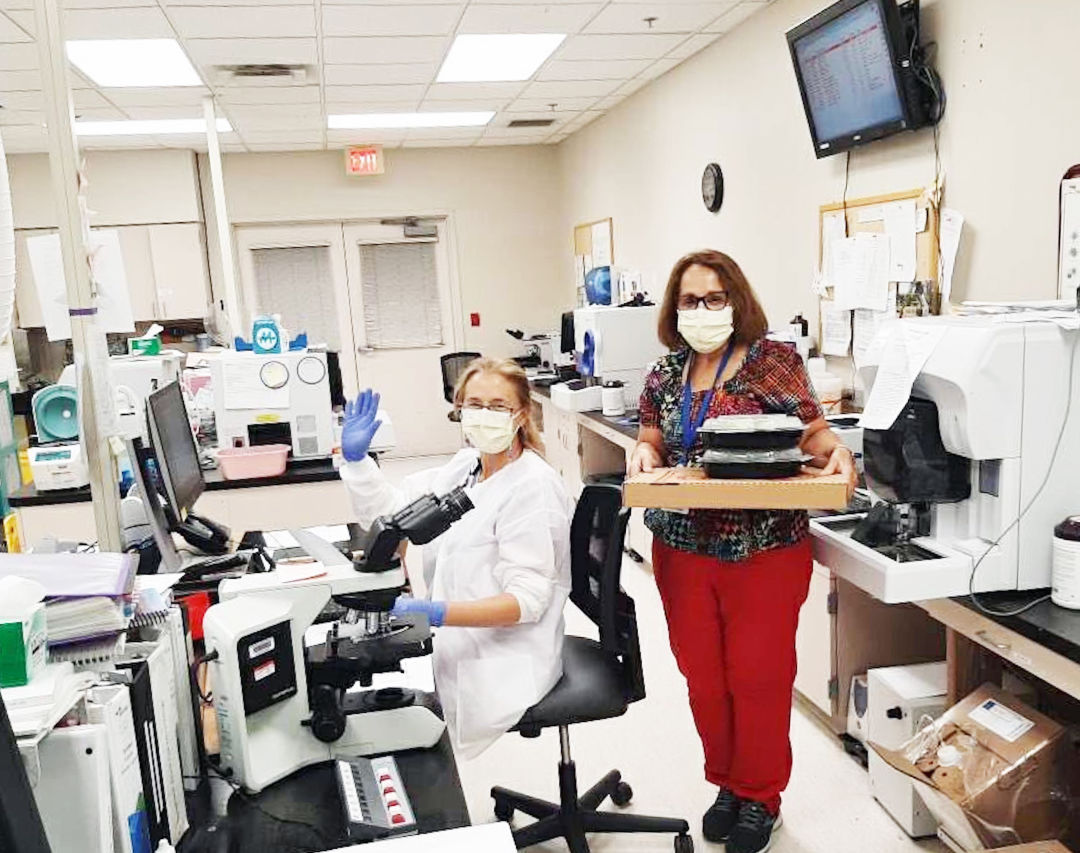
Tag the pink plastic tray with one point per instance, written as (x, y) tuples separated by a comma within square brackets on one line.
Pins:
[(249, 463)]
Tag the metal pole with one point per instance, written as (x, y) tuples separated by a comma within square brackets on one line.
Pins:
[(233, 323), (87, 338)]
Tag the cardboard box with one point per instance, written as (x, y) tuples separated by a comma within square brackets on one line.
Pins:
[(22, 631), (1011, 784), (689, 488)]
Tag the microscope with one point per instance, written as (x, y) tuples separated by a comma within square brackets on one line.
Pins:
[(282, 689)]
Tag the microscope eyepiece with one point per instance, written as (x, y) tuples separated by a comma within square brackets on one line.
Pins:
[(455, 504)]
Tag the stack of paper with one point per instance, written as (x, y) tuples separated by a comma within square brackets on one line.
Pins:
[(69, 620), (84, 573), (38, 706)]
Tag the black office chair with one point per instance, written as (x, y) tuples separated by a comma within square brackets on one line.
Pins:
[(600, 680), (453, 364)]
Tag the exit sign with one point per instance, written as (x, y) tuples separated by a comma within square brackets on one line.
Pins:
[(364, 160)]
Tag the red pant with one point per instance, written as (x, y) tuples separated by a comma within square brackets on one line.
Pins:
[(732, 629)]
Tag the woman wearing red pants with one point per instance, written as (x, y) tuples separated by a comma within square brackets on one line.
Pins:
[(732, 581)]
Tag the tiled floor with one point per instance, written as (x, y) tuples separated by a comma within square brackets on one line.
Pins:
[(827, 808)]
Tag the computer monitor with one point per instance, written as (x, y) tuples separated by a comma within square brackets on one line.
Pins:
[(174, 447)]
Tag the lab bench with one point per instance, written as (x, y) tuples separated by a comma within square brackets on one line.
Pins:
[(306, 495)]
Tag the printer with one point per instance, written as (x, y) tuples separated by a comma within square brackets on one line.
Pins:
[(274, 398), (967, 483)]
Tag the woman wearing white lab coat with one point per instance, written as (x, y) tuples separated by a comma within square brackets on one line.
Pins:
[(499, 578)]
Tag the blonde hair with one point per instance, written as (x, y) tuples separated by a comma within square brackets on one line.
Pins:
[(512, 372)]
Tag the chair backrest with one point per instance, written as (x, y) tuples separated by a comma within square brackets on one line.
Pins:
[(596, 551), (453, 364)]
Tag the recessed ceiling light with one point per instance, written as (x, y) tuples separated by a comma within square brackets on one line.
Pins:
[(372, 121), (497, 58), (133, 62), (148, 127)]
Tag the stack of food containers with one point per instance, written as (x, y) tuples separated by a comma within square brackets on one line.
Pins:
[(752, 446)]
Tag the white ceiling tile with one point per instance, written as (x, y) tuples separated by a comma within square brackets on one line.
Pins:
[(617, 47), (388, 136), (524, 140), (141, 22), (735, 16), (285, 146), (570, 89), (349, 107), (532, 18), (529, 2), (242, 22), (10, 31), (186, 96), (117, 142), (9, 117), (384, 50), (100, 114), (610, 101), (358, 96), (394, 20), (18, 57), (22, 100), (292, 51), (24, 139), (240, 95), (475, 91), (458, 3), (8, 5), (439, 105), (277, 121), (150, 111), (519, 132), (692, 45), (88, 99), (374, 75), (584, 69), (539, 105), (110, 4), (659, 68), (669, 17), (281, 115), (631, 86), (248, 3), (12, 81), (259, 137), (444, 133), (439, 143)]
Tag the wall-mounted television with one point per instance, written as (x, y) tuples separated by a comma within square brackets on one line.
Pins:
[(860, 73)]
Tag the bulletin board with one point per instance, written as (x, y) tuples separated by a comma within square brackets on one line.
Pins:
[(594, 246), (867, 216)]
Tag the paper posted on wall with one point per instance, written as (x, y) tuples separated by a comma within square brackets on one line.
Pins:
[(952, 226), (900, 227), (835, 329), (832, 230), (867, 324), (900, 350), (861, 271)]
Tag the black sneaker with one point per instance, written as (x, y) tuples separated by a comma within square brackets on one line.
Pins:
[(720, 819), (753, 831)]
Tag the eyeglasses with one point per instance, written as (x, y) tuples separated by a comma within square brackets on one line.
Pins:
[(715, 301), (497, 406)]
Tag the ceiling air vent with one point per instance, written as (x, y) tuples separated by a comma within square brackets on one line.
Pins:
[(532, 122), (262, 72)]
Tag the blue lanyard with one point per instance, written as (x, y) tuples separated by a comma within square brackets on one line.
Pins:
[(692, 425)]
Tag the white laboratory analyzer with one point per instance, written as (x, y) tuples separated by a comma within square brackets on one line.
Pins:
[(276, 398), (976, 470)]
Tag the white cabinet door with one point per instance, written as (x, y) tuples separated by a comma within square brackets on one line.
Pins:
[(814, 642), (26, 298), (139, 269), (180, 272)]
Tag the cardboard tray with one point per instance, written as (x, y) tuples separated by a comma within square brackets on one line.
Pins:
[(690, 488)]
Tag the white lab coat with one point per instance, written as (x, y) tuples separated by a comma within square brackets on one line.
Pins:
[(516, 540)]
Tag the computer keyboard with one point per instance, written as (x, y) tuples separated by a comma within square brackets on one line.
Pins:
[(373, 798)]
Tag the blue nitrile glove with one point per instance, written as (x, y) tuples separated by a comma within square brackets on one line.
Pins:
[(360, 425), (434, 610)]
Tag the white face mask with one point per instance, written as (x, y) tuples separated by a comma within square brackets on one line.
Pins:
[(489, 432), (706, 331)]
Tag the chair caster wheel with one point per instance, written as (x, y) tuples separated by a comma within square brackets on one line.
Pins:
[(504, 812), (684, 844), (622, 794)]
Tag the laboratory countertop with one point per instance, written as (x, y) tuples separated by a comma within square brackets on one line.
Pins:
[(625, 424), (1057, 628), (317, 471)]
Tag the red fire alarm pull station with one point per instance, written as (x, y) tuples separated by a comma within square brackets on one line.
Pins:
[(474, 319), (363, 160)]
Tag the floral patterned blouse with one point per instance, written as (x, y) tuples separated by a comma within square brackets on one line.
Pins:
[(772, 379)]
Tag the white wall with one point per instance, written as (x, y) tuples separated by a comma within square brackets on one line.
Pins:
[(123, 188), (504, 203), (1010, 132)]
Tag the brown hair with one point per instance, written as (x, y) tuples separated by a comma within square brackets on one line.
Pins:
[(749, 317), (512, 372)]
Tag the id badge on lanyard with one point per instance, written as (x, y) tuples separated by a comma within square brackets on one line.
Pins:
[(691, 424)]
